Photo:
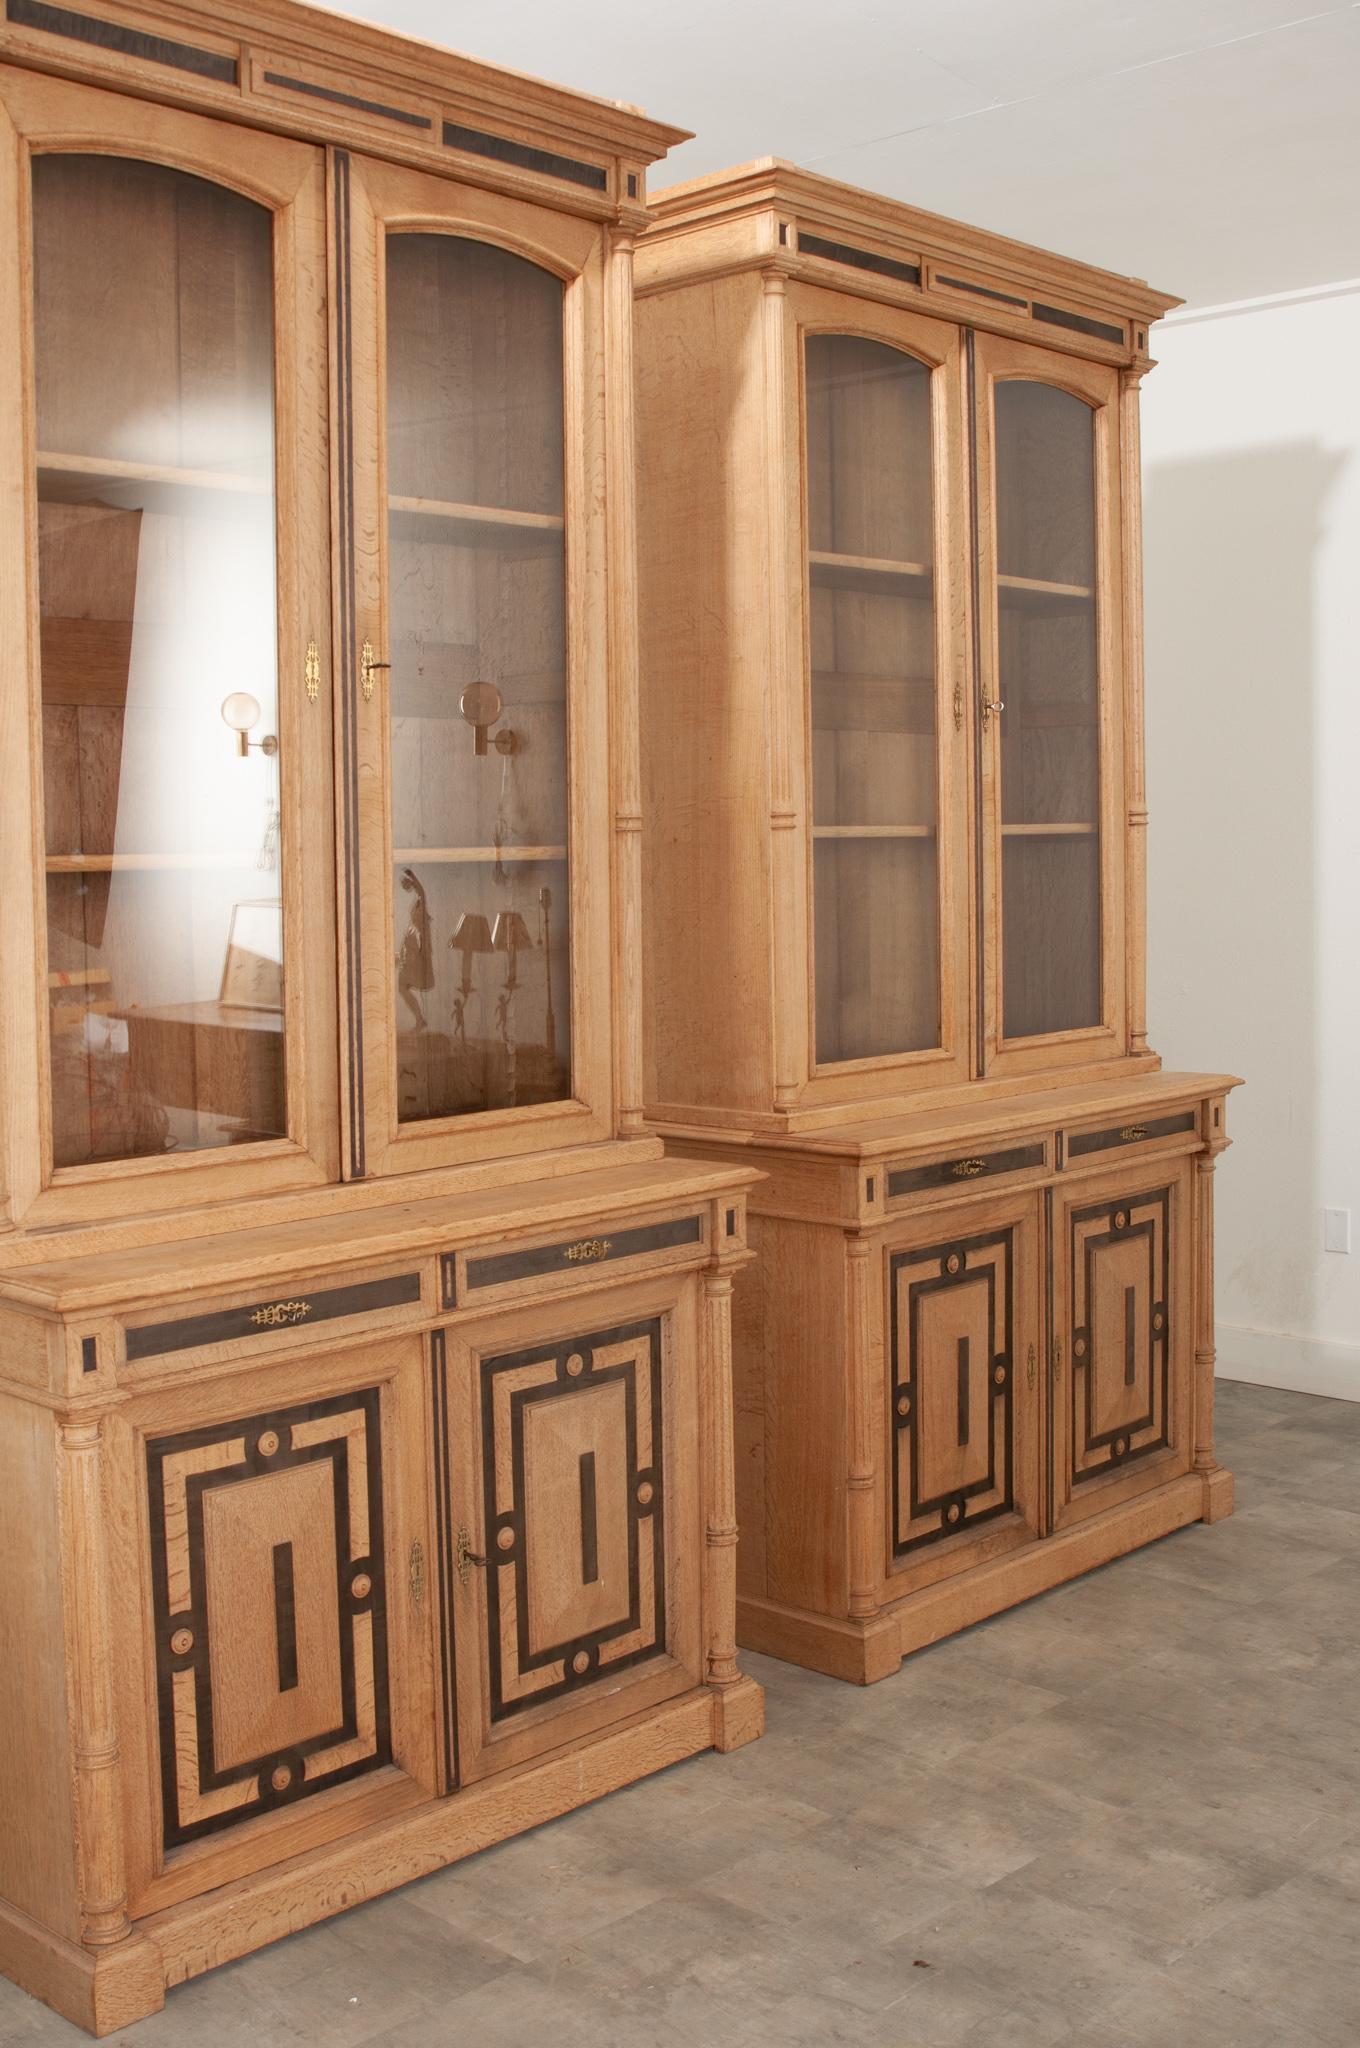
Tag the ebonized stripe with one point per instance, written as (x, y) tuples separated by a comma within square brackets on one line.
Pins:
[(975, 592), (443, 1510), (349, 809), (980, 291), (1134, 1133), (348, 99), (219, 1326), (963, 1391), (128, 42), (944, 1173), (556, 1258), (500, 149), (859, 259), (1130, 1334), (1079, 323), (285, 1617), (590, 1522), (89, 1354)]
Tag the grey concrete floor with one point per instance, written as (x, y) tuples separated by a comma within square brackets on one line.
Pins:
[(1124, 1815)]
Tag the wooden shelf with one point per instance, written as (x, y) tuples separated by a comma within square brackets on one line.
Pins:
[(149, 485), (1049, 831), (143, 863), (864, 572), (473, 525), (873, 831), (416, 856), (1033, 591)]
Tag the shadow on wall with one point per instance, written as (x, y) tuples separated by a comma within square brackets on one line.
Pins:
[(1234, 860)]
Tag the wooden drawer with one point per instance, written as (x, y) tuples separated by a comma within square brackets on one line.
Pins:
[(492, 1274), (1014, 1161), (1136, 1136), (232, 1327)]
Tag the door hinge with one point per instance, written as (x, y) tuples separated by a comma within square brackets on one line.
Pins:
[(1032, 1363), (417, 1572), (1057, 1360)]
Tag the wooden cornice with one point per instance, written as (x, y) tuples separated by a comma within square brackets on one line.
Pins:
[(781, 203)]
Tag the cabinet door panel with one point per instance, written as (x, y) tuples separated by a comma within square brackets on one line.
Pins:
[(1050, 642), (176, 504), (963, 1402), (886, 761), (289, 1650), (472, 569), (1120, 1380), (569, 1547)]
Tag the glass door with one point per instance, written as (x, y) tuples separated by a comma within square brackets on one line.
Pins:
[(1049, 705), (466, 652), (886, 704), (172, 479)]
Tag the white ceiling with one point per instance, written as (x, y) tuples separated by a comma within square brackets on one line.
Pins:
[(1211, 146)]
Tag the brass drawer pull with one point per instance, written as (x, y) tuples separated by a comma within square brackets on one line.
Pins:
[(1131, 1133), (588, 1250), (278, 1314), (968, 1169)]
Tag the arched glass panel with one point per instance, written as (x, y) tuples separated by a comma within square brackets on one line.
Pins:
[(154, 355), (477, 638), (1049, 730), (876, 869)]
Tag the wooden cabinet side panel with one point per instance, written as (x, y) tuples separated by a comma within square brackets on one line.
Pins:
[(37, 1841), (789, 1374), (703, 627)]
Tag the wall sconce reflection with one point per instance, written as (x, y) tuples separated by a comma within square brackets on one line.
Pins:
[(241, 712)]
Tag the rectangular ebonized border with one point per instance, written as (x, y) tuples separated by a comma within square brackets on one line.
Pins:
[(1080, 1142), (905, 1353), (219, 1326), (553, 1258), (581, 1661), (944, 1173), (858, 259), (280, 1777), (500, 149), (128, 42)]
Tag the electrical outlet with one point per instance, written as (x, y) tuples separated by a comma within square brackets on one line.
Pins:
[(1336, 1230)]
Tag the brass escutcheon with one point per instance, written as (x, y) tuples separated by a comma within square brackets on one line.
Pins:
[(276, 1313), (588, 1249)]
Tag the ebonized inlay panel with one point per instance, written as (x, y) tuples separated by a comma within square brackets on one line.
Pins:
[(128, 42)]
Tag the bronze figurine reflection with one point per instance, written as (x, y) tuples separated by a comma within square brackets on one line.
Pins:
[(415, 967)]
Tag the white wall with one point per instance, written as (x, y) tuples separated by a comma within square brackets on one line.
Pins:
[(1251, 440)]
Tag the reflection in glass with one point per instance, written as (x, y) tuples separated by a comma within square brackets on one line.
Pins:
[(874, 749), (476, 597), (154, 358), (1049, 731)]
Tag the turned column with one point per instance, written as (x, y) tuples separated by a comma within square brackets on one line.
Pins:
[(720, 1485), (621, 469), (99, 1816), (862, 1504)]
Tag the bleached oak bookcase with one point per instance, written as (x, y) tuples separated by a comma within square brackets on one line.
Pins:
[(366, 1487), (893, 850)]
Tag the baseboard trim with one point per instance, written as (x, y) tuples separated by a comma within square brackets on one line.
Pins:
[(1300, 1365)]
